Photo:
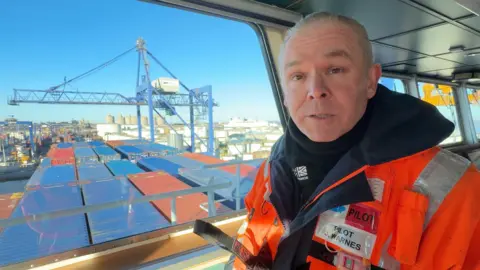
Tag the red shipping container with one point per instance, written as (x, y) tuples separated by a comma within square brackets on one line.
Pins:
[(245, 169), (61, 153), (61, 156), (188, 206)]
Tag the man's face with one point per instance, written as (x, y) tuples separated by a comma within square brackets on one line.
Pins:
[(327, 82)]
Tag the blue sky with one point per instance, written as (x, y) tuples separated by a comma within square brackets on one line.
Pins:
[(43, 41)]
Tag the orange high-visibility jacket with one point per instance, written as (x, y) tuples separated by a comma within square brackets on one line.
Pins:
[(417, 211)]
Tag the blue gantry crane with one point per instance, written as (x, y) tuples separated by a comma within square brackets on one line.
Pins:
[(199, 100), (31, 128)]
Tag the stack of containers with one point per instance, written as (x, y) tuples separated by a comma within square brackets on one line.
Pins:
[(206, 177), (245, 169), (188, 207), (123, 221), (179, 167), (36, 239), (106, 153), (85, 155), (123, 167), (153, 149), (61, 156), (131, 152), (52, 176), (157, 150), (93, 172)]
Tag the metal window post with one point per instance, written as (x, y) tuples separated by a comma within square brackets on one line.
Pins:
[(32, 135), (142, 49), (465, 118), (150, 113), (237, 189), (192, 123), (211, 203), (139, 114), (173, 210), (211, 135), (412, 87)]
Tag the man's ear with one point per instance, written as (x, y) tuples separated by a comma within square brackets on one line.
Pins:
[(374, 75)]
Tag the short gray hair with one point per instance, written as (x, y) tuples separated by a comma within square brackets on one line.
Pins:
[(330, 17)]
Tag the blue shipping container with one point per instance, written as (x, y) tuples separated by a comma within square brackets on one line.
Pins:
[(64, 145), (159, 164), (123, 221), (134, 142), (85, 155), (96, 143), (184, 161), (46, 162), (37, 239), (106, 153), (80, 144), (49, 176), (93, 172), (123, 167), (131, 152), (156, 150)]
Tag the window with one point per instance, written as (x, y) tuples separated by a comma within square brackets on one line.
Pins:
[(442, 97), (395, 85), (92, 118), (474, 100)]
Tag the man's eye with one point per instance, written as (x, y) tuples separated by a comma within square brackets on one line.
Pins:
[(335, 70), (297, 77)]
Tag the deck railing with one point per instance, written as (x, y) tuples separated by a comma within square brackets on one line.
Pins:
[(209, 189), (238, 176), (91, 208)]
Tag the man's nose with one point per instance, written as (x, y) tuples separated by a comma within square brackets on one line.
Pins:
[(317, 88)]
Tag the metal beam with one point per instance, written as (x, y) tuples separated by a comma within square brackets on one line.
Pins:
[(242, 10), (403, 76), (412, 87), (440, 16), (465, 118), (425, 27)]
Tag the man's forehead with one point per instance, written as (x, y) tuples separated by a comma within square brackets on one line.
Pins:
[(328, 41)]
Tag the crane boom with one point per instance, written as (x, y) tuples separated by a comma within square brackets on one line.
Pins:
[(95, 98)]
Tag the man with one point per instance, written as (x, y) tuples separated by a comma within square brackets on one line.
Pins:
[(357, 181)]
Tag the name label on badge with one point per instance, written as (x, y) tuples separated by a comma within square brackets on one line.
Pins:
[(351, 227)]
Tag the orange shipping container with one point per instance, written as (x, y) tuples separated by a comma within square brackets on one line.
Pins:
[(188, 206), (114, 144), (244, 168), (8, 203), (62, 161)]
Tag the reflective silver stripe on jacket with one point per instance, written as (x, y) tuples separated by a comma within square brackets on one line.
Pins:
[(386, 260), (438, 178)]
